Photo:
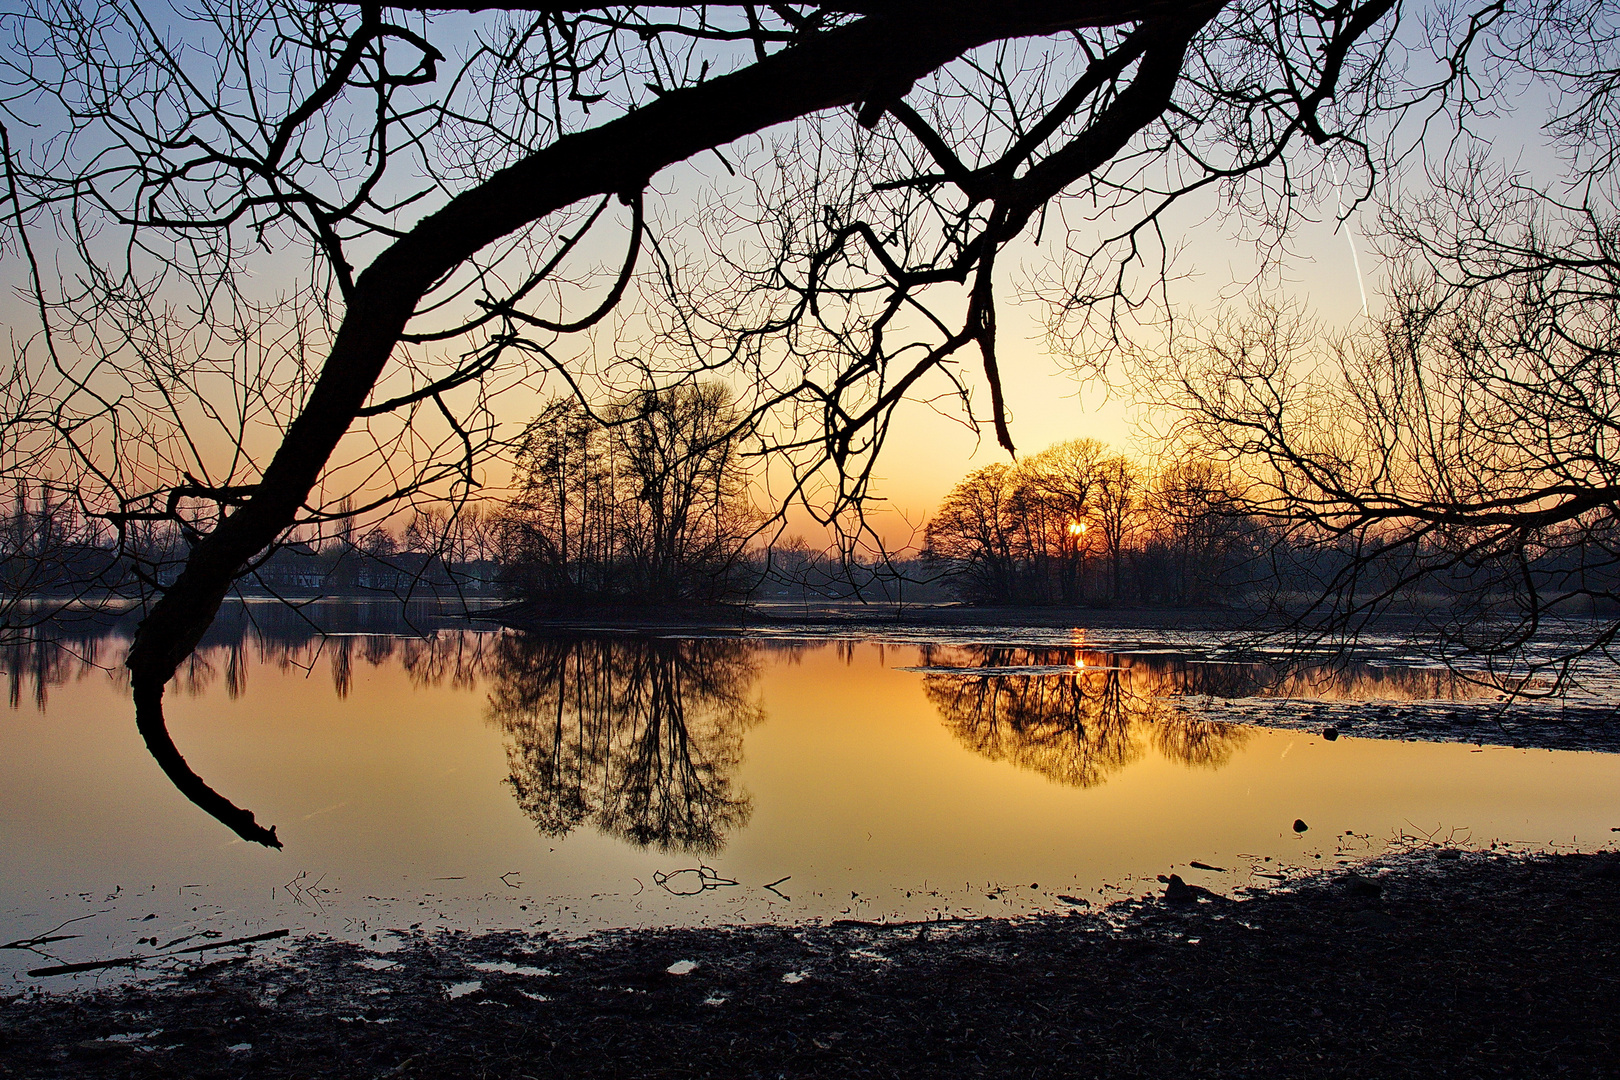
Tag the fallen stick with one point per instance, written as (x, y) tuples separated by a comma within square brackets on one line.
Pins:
[(132, 961), (31, 942), (92, 965), (268, 936), (46, 938)]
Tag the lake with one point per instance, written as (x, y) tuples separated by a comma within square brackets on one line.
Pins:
[(425, 776)]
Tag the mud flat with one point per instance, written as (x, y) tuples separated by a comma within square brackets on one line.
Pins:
[(1435, 963)]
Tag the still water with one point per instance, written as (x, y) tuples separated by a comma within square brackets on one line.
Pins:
[(472, 779)]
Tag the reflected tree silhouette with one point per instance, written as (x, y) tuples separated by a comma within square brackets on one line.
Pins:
[(448, 658), (341, 660), (1077, 727), (1080, 726), (341, 635), (36, 664), (1194, 741), (640, 738), (1293, 677)]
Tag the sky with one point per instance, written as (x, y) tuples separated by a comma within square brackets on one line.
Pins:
[(928, 453)]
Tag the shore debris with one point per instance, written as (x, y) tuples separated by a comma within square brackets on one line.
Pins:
[(134, 961), (691, 880), (1177, 891)]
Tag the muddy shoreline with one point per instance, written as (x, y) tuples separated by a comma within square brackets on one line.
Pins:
[(1429, 964)]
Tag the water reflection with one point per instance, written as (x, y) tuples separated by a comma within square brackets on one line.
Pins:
[(1075, 726), (640, 738), (34, 666), (334, 636), (1172, 674), (860, 791)]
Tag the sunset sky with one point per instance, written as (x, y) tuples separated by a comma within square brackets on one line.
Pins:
[(927, 453)]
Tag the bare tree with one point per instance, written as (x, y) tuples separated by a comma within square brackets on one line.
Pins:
[(288, 254), (560, 526), (1454, 461), (651, 503), (684, 491), (1201, 520), (1066, 476), (976, 533), (1118, 505)]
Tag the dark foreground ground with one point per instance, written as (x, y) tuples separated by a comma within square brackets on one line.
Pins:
[(1479, 966)]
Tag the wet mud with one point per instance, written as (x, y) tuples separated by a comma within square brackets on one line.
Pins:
[(1434, 963)]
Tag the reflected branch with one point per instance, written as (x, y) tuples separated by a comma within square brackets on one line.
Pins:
[(63, 649)]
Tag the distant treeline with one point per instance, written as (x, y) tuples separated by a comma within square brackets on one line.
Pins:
[(647, 502), (46, 545), (51, 549), (1076, 524), (438, 554)]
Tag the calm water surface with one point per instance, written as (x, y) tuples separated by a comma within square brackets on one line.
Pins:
[(481, 780)]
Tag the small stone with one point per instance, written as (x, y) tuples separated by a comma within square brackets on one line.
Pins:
[(682, 967), (1299, 825), (1178, 891), (1330, 733)]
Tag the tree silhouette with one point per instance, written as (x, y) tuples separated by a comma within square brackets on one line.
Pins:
[(650, 502), (288, 254)]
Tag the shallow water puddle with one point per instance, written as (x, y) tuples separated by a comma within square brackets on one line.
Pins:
[(478, 780)]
